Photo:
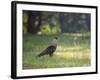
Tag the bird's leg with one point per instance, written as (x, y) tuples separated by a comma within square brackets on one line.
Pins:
[(50, 55)]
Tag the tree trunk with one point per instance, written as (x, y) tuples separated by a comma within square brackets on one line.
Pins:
[(62, 22), (34, 21)]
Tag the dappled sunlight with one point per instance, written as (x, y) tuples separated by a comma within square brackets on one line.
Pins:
[(73, 48), (78, 34), (73, 53), (67, 55)]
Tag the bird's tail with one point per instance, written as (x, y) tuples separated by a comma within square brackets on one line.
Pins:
[(41, 54)]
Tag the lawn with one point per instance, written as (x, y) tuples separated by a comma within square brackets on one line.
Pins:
[(73, 50)]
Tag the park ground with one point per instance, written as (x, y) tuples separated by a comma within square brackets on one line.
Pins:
[(73, 50)]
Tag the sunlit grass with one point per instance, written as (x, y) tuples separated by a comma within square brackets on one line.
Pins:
[(71, 51)]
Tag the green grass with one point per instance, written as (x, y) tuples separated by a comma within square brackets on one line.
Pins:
[(73, 50)]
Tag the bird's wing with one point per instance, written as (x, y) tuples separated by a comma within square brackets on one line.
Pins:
[(48, 50), (51, 49)]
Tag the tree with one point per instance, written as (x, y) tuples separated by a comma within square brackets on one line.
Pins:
[(34, 21), (62, 22)]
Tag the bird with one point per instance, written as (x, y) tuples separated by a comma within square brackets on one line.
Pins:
[(50, 49)]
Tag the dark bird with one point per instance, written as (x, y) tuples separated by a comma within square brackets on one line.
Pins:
[(50, 49)]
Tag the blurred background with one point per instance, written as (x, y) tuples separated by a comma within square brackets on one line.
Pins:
[(39, 22), (72, 30)]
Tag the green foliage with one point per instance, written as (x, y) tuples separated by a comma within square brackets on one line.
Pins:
[(73, 50), (25, 20), (25, 17), (46, 29)]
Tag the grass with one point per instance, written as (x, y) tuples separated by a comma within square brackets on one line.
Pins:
[(73, 50)]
